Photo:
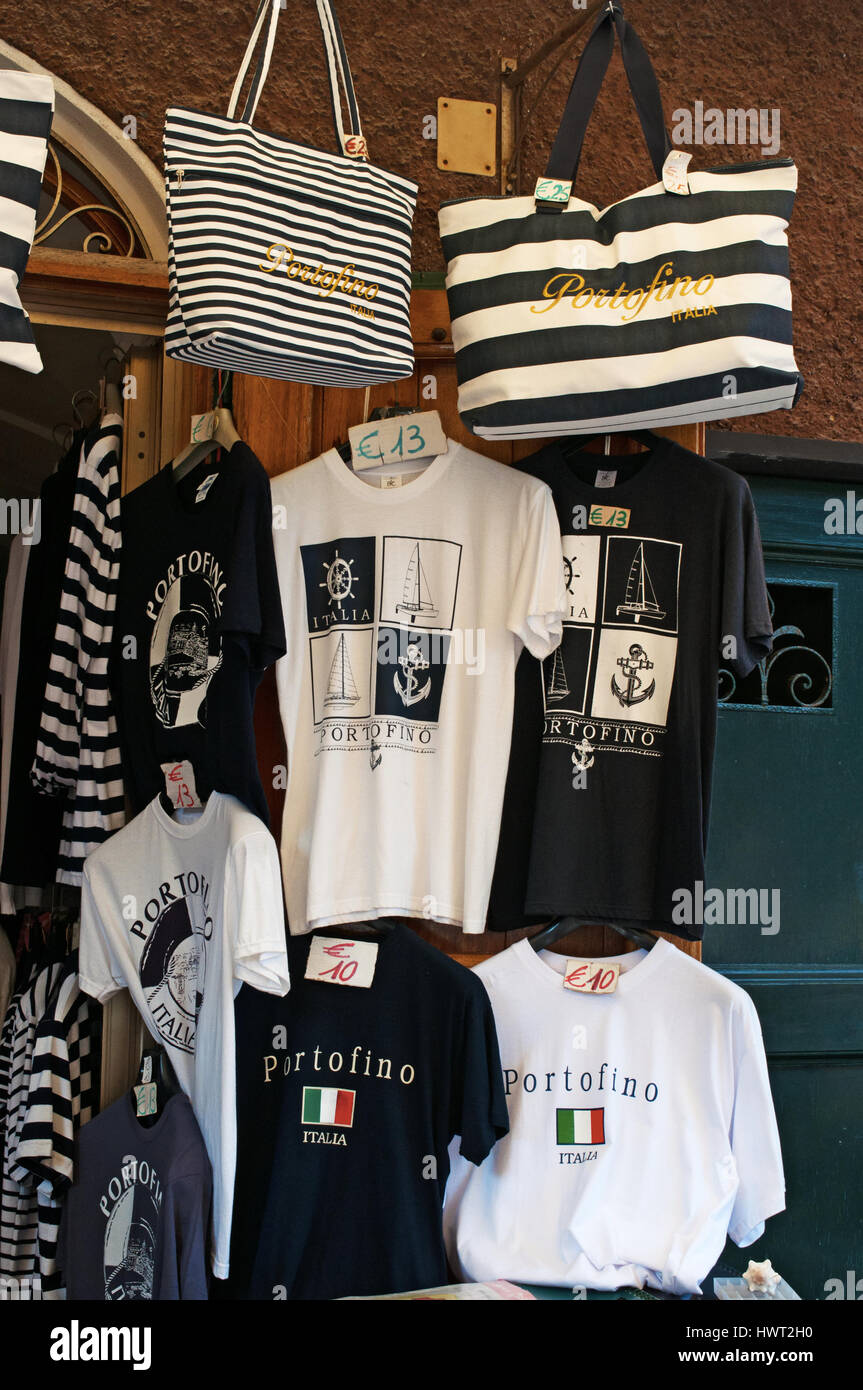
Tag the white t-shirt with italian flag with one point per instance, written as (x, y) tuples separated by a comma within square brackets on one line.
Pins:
[(642, 1129), (406, 608)]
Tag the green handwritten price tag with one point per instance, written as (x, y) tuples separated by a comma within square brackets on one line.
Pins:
[(553, 190), (398, 440)]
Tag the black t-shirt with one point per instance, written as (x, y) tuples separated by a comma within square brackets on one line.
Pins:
[(199, 619), (347, 1098), (613, 735)]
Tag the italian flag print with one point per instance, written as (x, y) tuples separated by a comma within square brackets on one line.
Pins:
[(581, 1126), (326, 1105)]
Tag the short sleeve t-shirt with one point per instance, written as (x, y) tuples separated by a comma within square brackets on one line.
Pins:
[(642, 1130), (136, 1222), (608, 794), (347, 1100), (405, 611), (182, 912), (198, 621)]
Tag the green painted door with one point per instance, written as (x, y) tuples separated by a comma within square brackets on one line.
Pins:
[(786, 819)]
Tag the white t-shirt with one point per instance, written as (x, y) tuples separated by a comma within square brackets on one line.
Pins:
[(405, 610), (181, 913), (642, 1129)]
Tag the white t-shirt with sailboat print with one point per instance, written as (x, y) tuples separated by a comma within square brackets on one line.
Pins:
[(406, 608)]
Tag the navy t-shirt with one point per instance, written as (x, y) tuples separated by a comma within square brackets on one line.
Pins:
[(347, 1098), (136, 1223), (198, 621), (608, 788)]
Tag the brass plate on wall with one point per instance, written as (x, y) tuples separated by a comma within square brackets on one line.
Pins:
[(467, 137)]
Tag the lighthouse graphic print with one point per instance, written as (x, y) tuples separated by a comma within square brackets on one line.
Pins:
[(608, 685), (380, 617)]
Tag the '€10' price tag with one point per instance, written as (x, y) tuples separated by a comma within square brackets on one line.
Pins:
[(336, 961), (591, 976)]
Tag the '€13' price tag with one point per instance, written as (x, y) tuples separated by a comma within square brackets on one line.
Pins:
[(591, 976), (336, 961)]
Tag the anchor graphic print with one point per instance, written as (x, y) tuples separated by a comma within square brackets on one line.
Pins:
[(602, 688), (631, 664), (380, 615)]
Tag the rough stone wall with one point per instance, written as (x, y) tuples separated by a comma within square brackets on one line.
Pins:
[(801, 56)]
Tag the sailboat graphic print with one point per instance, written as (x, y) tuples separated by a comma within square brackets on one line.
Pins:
[(640, 601), (557, 688), (341, 687), (416, 598)]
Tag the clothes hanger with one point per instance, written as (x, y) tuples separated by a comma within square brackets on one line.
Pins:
[(224, 436), (575, 444), (565, 926), (381, 927), (162, 1073)]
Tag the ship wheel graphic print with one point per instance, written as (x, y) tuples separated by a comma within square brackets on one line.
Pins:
[(640, 601), (341, 686), (340, 579), (416, 598)]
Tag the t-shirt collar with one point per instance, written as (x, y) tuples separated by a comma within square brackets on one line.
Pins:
[(548, 966)]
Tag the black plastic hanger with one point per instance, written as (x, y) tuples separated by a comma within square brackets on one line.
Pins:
[(565, 926), (574, 444)]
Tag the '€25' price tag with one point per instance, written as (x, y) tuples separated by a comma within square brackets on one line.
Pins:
[(335, 961), (591, 976)]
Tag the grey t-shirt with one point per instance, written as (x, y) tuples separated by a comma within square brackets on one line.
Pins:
[(136, 1222)]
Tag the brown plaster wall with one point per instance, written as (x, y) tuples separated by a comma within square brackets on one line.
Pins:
[(802, 56)]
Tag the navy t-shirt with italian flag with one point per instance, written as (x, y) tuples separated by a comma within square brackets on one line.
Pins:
[(347, 1099)]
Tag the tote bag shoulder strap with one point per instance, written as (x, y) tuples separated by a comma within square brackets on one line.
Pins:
[(351, 142), (592, 67)]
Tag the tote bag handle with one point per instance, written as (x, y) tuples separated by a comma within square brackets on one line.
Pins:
[(338, 69), (592, 67)]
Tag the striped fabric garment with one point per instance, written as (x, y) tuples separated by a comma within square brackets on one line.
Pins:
[(61, 1098), (662, 309), (26, 112), (78, 751), (19, 1203), (285, 260)]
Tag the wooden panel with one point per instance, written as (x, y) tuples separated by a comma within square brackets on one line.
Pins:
[(186, 391), (143, 416), (77, 288), (275, 419)]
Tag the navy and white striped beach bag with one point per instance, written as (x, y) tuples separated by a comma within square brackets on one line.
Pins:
[(670, 306), (287, 261)]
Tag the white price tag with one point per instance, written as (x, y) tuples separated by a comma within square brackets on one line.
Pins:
[(591, 976), (145, 1099), (180, 785), (674, 174), (203, 427), (398, 440), (340, 961)]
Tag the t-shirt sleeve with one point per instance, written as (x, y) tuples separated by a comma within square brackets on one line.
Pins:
[(100, 974), (253, 899), (745, 610), (252, 615), (479, 1114), (537, 603), (754, 1134)]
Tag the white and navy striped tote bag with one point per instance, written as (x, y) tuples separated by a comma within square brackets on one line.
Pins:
[(287, 261), (665, 308), (26, 112)]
